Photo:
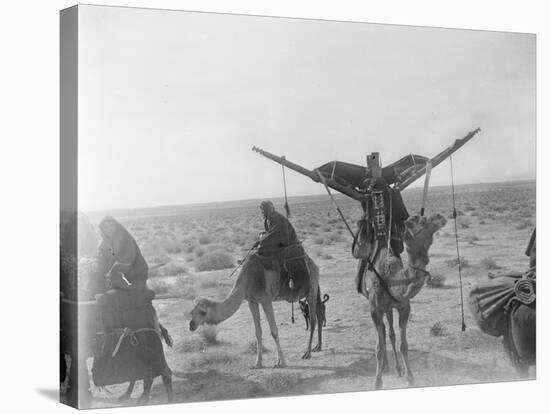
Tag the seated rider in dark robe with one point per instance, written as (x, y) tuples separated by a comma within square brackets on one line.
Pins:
[(278, 234)]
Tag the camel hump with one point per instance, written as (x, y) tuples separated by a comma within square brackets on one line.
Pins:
[(294, 268)]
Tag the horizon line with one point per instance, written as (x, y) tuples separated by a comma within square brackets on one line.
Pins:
[(165, 206)]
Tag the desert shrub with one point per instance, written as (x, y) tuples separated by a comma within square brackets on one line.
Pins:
[(318, 240), (524, 224), (189, 245), (472, 239), (327, 256), (333, 237), (215, 260), (160, 287), (436, 281), (463, 223), (438, 329), (205, 238), (170, 246), (172, 269), (280, 382), (190, 345), (211, 357), (185, 288), (208, 282), (482, 222), (200, 251), (454, 262), (209, 334), (251, 349), (489, 263)]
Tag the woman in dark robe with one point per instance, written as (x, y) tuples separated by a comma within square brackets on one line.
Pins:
[(120, 255)]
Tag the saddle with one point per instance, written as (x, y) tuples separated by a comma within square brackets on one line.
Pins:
[(291, 262)]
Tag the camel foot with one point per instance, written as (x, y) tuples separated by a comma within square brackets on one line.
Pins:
[(307, 355), (123, 398), (143, 400), (410, 379), (279, 364), (378, 384), (318, 348), (399, 371), (258, 365)]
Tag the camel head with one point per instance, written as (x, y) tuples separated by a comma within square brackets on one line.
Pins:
[(419, 232), (201, 313)]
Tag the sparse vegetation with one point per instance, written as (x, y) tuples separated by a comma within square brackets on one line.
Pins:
[(489, 263), (281, 382), (437, 329), (209, 358), (209, 334), (454, 262), (436, 281), (216, 260)]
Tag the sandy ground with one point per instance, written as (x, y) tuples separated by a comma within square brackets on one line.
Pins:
[(490, 237)]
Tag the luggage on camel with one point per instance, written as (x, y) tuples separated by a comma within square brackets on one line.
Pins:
[(490, 300), (487, 303), (129, 347)]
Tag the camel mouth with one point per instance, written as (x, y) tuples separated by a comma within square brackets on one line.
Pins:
[(192, 326)]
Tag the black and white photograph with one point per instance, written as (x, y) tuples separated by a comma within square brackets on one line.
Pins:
[(275, 207)]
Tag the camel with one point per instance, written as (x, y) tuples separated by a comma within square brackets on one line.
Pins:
[(418, 238), (261, 287)]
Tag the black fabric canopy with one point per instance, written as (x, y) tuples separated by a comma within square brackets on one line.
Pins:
[(355, 175)]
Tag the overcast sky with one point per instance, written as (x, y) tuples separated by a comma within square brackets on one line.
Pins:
[(171, 103)]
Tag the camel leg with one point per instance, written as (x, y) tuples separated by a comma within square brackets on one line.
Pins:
[(167, 381), (312, 300), (267, 305), (255, 310), (147, 384), (128, 394), (398, 368), (378, 320), (319, 346), (403, 319)]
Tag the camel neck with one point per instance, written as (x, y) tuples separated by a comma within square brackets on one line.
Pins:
[(416, 260), (227, 307)]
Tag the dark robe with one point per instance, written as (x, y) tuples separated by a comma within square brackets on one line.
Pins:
[(279, 234), (122, 254)]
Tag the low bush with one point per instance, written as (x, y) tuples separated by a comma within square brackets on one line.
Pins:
[(436, 281), (454, 262), (209, 334), (438, 329), (489, 263), (215, 260)]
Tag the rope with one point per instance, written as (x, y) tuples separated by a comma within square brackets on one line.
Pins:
[(457, 248), (525, 291), (322, 178), (242, 260), (287, 210), (127, 332)]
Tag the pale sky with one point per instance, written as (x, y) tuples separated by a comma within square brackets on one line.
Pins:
[(171, 103)]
